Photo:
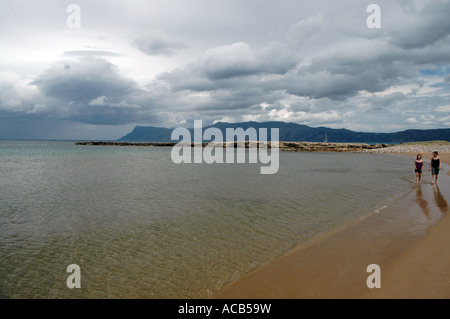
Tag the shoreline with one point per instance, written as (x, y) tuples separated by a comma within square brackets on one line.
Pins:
[(406, 239)]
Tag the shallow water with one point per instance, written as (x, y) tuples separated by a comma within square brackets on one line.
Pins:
[(141, 226)]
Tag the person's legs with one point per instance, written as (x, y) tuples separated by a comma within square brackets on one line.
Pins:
[(434, 175)]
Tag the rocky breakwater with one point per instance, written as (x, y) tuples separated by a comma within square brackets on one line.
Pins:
[(419, 147), (328, 147), (111, 143), (283, 146)]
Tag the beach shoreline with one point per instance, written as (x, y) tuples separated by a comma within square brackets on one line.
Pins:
[(406, 240)]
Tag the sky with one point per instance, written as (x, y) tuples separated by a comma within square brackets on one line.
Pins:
[(96, 69)]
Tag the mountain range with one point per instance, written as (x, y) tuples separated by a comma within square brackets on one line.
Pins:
[(292, 132)]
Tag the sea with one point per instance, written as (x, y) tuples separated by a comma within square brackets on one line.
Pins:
[(140, 226)]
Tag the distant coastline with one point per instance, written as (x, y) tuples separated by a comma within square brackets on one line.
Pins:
[(293, 132)]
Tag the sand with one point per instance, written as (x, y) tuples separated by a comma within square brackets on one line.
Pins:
[(423, 271), (407, 240)]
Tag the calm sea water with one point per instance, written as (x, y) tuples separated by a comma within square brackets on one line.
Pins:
[(140, 226)]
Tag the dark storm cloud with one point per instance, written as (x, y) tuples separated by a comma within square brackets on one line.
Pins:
[(335, 76), (83, 80), (90, 90), (238, 59), (109, 115), (345, 73), (234, 67)]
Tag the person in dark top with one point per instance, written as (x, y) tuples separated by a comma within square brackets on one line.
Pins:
[(418, 166), (435, 166)]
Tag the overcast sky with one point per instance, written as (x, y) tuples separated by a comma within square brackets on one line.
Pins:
[(166, 63)]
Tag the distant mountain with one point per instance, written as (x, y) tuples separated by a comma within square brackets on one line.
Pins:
[(148, 134), (290, 132)]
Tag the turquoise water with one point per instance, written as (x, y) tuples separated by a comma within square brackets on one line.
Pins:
[(140, 226)]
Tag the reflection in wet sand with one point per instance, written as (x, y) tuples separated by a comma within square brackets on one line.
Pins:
[(441, 203), (422, 202)]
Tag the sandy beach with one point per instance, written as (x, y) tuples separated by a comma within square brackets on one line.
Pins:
[(407, 240), (422, 271)]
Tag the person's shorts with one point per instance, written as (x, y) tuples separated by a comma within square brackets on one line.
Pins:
[(434, 170), (418, 171)]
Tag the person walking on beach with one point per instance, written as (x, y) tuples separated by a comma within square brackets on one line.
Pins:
[(418, 166), (435, 166)]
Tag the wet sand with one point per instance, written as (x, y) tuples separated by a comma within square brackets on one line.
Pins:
[(408, 240), (423, 271)]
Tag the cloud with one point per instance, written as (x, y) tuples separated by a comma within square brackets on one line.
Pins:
[(423, 28), (387, 100), (412, 120), (100, 101), (229, 61), (238, 59), (90, 53), (229, 67), (305, 29), (443, 108), (84, 79), (16, 94), (83, 89), (338, 74), (159, 43)]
